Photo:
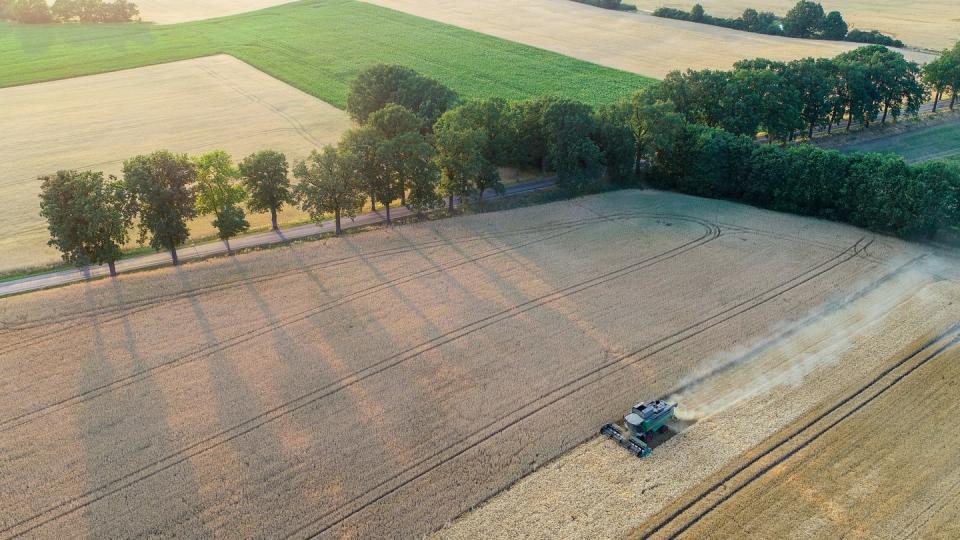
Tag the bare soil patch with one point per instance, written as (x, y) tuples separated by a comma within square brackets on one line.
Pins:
[(930, 24), (98, 121), (635, 42), (384, 383)]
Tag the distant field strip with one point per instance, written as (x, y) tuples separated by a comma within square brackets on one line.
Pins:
[(636, 42), (317, 46), (924, 144)]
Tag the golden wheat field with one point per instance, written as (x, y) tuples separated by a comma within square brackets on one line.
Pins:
[(383, 383), (96, 122), (931, 24), (635, 42), (746, 399)]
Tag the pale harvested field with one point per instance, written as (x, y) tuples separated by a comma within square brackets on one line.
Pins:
[(98, 121), (384, 383), (932, 24), (635, 42), (745, 395), (175, 11)]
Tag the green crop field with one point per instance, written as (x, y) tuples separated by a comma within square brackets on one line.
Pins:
[(317, 46), (931, 143)]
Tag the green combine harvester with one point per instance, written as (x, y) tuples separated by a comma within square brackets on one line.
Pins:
[(640, 424)]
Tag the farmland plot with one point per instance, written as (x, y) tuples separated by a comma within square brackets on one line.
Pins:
[(931, 24), (384, 383), (635, 42), (96, 122), (176, 11), (734, 406)]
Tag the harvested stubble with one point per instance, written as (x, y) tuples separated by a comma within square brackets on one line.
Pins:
[(635, 42), (381, 384), (930, 24), (190, 106), (737, 400), (175, 11)]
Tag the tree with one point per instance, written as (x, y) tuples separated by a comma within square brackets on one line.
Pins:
[(379, 85), (935, 76), (162, 187), (89, 218), (364, 145), (31, 11), (815, 81), (65, 10), (407, 160), (471, 141), (575, 157), (834, 27), (220, 193), (401, 128), (327, 185), (804, 20), (615, 138), (528, 140), (697, 13), (265, 175)]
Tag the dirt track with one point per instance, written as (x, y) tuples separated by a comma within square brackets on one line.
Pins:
[(96, 122), (382, 384)]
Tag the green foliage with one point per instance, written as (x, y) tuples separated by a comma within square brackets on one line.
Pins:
[(363, 145), (318, 47), (265, 176), (615, 138), (471, 141), (30, 11), (327, 185), (834, 27), (220, 193), (574, 155), (804, 20), (380, 85), (609, 4), (88, 217), (85, 11), (163, 191), (943, 74), (408, 156), (873, 36)]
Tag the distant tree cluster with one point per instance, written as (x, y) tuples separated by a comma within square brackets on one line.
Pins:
[(617, 5), (84, 11), (805, 20), (780, 98)]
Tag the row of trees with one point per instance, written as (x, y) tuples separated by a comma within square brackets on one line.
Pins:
[(783, 98), (85, 11), (942, 76), (805, 20)]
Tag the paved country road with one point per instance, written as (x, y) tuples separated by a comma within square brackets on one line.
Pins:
[(193, 251)]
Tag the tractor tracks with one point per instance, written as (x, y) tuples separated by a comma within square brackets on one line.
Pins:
[(692, 512), (112, 487), (458, 448)]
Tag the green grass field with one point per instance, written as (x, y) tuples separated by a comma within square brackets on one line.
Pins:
[(940, 142), (317, 46)]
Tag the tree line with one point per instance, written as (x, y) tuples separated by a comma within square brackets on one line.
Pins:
[(417, 143), (782, 98), (805, 20), (617, 5), (84, 11)]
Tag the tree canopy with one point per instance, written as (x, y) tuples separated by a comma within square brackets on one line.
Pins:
[(162, 185), (265, 176), (381, 84)]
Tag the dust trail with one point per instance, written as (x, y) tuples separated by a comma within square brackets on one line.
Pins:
[(797, 349)]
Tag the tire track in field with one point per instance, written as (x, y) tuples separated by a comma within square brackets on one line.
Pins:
[(208, 349), (569, 388), (65, 508), (952, 337), (126, 308)]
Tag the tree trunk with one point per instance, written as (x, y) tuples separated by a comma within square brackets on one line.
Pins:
[(849, 122), (229, 249), (543, 165), (480, 201), (373, 203), (173, 255), (113, 268), (886, 109), (953, 100), (336, 217), (810, 133), (936, 99), (387, 206), (830, 127), (403, 197), (273, 219), (450, 200)]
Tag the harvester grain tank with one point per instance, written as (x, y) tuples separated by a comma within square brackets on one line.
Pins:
[(643, 420)]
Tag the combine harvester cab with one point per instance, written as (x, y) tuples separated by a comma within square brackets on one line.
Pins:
[(643, 420)]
